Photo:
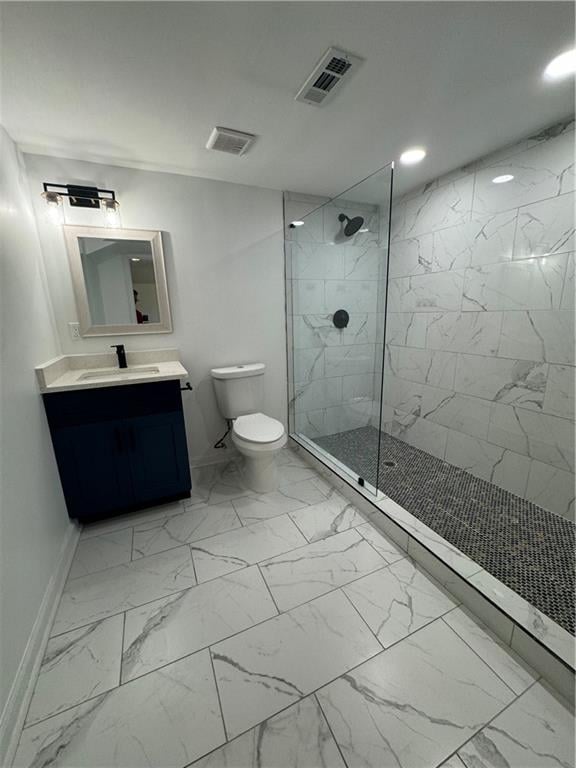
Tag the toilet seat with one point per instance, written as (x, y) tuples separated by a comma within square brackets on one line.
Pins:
[(258, 428)]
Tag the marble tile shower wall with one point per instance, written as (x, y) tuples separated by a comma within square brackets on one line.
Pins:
[(333, 369), (479, 366)]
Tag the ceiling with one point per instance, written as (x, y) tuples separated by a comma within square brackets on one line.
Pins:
[(143, 83)]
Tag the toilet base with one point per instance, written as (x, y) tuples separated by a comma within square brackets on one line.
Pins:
[(259, 470), (260, 474)]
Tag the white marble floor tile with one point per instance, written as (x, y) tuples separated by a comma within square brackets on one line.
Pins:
[(216, 483), (77, 666), (113, 524), (294, 473), (198, 522), (334, 515), (536, 731), (168, 629), (298, 737), (253, 509), (98, 595), (398, 600), (310, 571), (384, 546), (96, 553), (167, 718), (268, 667), (500, 658), (414, 704), (245, 546)]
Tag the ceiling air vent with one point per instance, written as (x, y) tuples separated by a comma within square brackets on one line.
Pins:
[(335, 66), (229, 140)]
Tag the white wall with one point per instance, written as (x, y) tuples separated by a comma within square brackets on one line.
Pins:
[(34, 524), (224, 258)]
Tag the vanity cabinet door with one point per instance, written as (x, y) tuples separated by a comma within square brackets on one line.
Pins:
[(93, 460), (158, 456)]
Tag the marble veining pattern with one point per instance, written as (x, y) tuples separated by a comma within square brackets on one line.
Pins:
[(212, 676), (168, 629), (398, 600), (299, 736), (273, 665), (311, 571), (536, 731), (77, 666), (414, 704)]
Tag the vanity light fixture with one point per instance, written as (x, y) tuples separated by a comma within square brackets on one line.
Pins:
[(504, 179), (412, 156), (81, 197), (561, 66)]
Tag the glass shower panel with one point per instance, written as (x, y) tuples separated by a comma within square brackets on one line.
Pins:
[(336, 269)]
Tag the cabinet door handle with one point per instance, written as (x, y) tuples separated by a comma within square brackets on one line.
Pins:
[(132, 439), (118, 438)]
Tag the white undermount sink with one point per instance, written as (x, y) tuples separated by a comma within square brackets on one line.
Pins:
[(113, 373)]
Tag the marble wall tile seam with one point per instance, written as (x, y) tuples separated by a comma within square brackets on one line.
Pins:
[(449, 395), (496, 356)]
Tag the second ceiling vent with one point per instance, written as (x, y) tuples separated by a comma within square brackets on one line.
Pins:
[(229, 140), (335, 66)]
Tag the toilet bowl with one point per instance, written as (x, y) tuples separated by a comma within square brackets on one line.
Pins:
[(258, 438)]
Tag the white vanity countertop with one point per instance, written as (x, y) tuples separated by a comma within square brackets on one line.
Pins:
[(71, 372)]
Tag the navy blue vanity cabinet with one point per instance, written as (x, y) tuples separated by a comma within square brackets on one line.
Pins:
[(119, 448)]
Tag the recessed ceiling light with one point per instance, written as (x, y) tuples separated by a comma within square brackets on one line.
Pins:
[(412, 156), (134, 259), (562, 66), (502, 179), (296, 224)]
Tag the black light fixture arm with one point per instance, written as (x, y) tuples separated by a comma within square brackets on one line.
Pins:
[(81, 196)]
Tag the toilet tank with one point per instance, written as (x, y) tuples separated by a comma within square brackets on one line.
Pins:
[(239, 389)]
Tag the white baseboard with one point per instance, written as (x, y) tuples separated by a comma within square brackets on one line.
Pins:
[(14, 714)]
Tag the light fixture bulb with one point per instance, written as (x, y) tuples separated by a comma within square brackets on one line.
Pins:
[(506, 177), (561, 66), (412, 156), (111, 211), (54, 205), (134, 259), (296, 224)]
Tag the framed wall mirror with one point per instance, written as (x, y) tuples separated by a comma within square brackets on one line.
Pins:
[(119, 280)]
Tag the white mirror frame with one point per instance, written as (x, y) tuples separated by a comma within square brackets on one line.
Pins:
[(154, 237)]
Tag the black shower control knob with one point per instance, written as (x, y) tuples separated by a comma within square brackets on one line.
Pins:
[(341, 318)]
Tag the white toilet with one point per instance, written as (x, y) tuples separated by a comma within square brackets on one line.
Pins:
[(239, 392)]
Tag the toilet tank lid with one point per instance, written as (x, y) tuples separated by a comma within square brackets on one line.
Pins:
[(238, 371)]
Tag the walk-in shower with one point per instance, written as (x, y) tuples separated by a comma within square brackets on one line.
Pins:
[(451, 387)]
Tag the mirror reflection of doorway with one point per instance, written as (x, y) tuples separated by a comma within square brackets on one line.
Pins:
[(120, 281)]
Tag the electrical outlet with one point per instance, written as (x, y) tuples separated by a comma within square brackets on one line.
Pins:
[(74, 329)]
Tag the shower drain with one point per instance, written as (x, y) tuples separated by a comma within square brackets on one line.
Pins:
[(389, 463)]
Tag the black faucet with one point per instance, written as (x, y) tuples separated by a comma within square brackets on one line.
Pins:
[(121, 352)]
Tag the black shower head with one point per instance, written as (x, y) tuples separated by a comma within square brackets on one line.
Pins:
[(353, 225)]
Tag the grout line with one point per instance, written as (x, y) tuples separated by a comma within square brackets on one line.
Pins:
[(218, 696), (486, 725), (506, 648), (268, 588), (122, 649), (362, 617), (321, 708)]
